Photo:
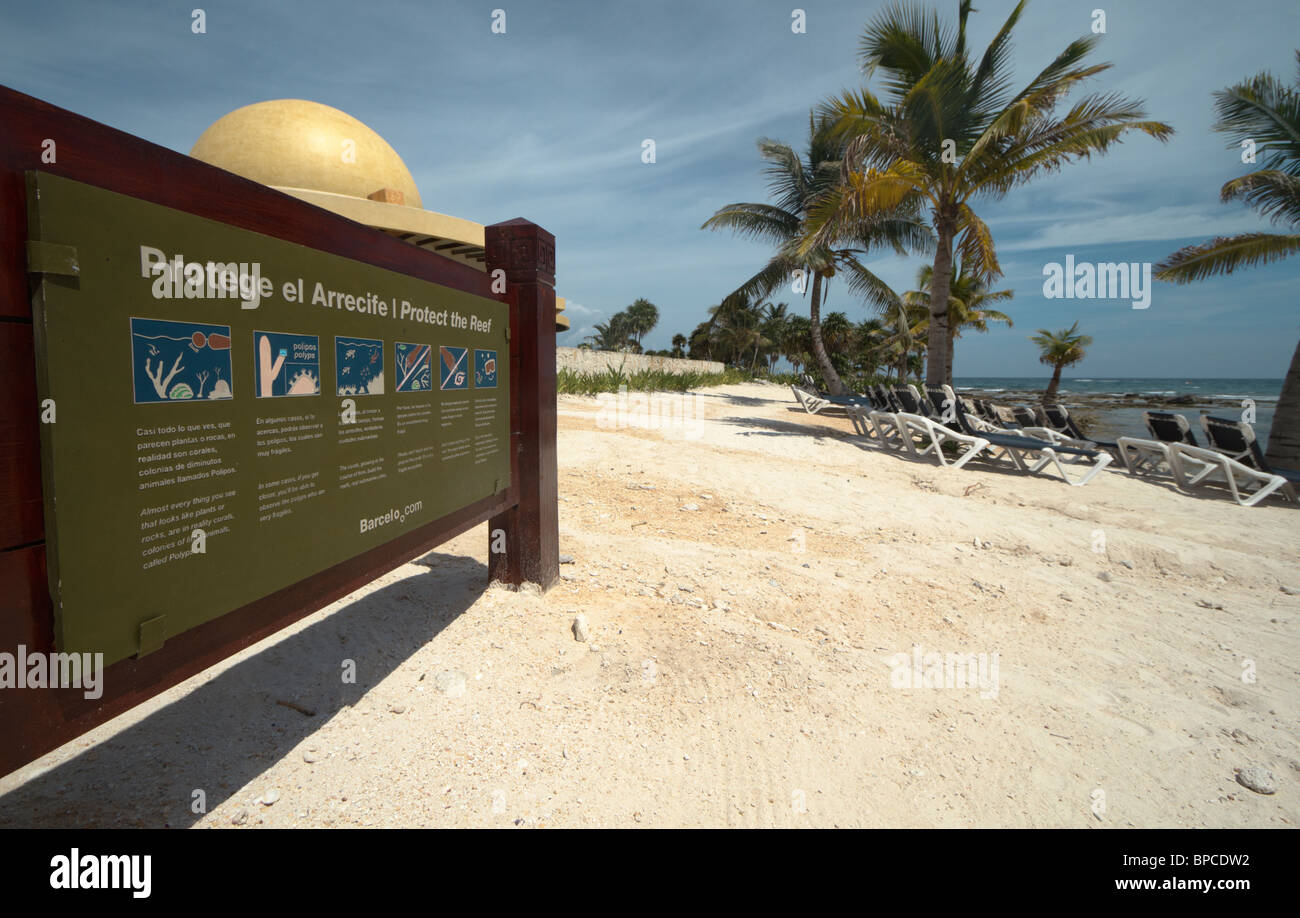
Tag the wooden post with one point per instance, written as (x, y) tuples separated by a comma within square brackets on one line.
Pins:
[(531, 528)]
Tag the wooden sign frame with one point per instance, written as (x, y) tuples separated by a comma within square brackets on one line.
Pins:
[(39, 136)]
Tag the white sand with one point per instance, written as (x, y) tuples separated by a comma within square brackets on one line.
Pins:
[(738, 671)]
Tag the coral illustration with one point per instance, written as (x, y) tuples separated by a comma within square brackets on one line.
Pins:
[(159, 383), (268, 369), (304, 383)]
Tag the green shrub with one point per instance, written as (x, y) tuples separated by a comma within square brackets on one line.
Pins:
[(568, 382)]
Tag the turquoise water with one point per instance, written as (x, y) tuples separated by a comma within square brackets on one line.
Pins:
[(1118, 422)]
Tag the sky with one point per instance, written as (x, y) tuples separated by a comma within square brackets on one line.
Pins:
[(547, 122)]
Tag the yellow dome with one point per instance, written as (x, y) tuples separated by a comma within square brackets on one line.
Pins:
[(292, 143)]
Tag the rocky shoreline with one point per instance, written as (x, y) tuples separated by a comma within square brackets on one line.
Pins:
[(1111, 415), (1106, 401)]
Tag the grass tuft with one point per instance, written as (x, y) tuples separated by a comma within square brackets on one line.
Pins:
[(568, 382)]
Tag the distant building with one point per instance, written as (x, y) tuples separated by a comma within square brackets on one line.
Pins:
[(328, 158)]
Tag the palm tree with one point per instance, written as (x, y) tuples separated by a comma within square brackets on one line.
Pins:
[(895, 339), (873, 342), (1059, 349), (613, 335), (744, 329), (1267, 112), (700, 342), (902, 340), (679, 345), (796, 342), (750, 329), (968, 296), (773, 328), (953, 133), (837, 333), (732, 333), (797, 186), (642, 317)]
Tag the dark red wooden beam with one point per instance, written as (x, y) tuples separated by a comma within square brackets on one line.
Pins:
[(526, 253)]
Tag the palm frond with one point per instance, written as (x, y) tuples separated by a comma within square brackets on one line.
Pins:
[(1063, 72), (975, 245), (869, 133), (902, 230), (1267, 112), (1226, 254), (1053, 145), (786, 180), (865, 196), (936, 109), (865, 284), (755, 221), (1030, 108), (904, 40), (993, 75), (774, 274), (1274, 194)]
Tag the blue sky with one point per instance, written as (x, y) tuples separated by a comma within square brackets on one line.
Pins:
[(546, 122)]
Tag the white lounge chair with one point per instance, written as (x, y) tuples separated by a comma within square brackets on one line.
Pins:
[(1195, 465), (880, 420), (1235, 460), (812, 401), (942, 396), (1017, 448), (1154, 456), (863, 423), (1057, 417), (917, 421)]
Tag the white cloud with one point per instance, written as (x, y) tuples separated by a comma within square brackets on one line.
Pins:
[(1160, 223)]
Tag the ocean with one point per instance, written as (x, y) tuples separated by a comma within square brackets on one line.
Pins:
[(1126, 419)]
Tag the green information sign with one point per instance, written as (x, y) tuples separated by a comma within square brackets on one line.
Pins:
[(225, 414)]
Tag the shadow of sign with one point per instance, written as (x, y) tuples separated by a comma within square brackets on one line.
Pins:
[(226, 732)]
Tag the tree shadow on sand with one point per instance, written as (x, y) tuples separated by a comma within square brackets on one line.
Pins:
[(772, 427), (226, 732), (744, 401)]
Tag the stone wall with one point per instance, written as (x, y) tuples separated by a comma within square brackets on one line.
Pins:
[(580, 360)]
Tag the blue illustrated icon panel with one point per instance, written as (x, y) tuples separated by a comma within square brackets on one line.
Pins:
[(485, 369), (414, 367), (452, 372), (359, 366), (180, 361), (286, 364)]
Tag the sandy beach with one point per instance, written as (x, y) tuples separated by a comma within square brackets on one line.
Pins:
[(748, 583)]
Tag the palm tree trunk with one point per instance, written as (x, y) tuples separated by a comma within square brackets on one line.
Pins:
[(1049, 397), (951, 348), (906, 349), (833, 384), (936, 371), (1284, 440)]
